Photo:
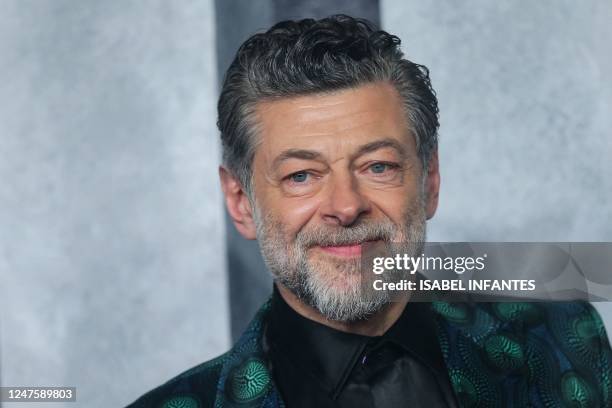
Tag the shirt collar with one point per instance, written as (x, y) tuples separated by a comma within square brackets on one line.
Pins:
[(329, 355)]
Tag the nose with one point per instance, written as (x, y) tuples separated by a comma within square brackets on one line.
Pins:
[(344, 203)]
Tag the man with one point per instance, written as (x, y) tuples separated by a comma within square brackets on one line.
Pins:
[(329, 145)]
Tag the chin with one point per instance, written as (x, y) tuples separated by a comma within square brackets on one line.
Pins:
[(338, 277), (339, 296)]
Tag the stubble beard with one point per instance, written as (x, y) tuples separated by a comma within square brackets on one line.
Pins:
[(332, 285)]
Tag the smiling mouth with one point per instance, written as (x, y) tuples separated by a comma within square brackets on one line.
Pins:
[(348, 251)]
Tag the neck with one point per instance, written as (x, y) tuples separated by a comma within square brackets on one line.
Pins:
[(376, 325)]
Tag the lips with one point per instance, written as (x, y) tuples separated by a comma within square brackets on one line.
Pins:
[(348, 250)]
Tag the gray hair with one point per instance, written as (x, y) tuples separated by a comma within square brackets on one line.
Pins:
[(317, 56)]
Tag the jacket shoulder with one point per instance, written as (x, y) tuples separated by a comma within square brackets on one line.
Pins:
[(194, 388), (535, 353)]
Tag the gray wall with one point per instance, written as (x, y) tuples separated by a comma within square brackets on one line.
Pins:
[(112, 230), (111, 222), (526, 116)]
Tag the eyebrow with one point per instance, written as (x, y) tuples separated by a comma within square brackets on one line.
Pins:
[(380, 144), (296, 154), (305, 154)]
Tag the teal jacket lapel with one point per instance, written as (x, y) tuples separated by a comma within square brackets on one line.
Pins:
[(245, 380), (462, 331)]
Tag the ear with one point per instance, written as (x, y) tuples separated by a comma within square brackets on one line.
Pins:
[(432, 185), (238, 204)]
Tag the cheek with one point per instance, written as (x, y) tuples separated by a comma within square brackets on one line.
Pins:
[(395, 203), (393, 208), (294, 214)]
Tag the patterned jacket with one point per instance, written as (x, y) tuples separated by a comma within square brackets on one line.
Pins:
[(497, 355)]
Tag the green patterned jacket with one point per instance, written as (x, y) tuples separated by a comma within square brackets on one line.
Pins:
[(497, 355)]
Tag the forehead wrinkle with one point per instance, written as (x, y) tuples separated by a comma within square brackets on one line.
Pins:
[(323, 116)]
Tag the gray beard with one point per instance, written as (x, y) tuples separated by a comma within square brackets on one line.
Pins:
[(334, 286)]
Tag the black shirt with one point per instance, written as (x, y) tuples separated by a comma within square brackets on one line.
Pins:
[(314, 365)]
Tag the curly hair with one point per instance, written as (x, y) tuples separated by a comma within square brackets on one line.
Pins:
[(316, 56)]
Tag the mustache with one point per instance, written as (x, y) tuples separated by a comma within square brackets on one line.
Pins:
[(337, 236)]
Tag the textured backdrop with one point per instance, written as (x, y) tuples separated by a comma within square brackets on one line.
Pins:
[(112, 234), (111, 237)]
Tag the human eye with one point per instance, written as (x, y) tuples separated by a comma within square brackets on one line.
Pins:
[(301, 182), (299, 177), (382, 168)]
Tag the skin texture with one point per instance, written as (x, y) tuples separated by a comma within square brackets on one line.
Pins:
[(331, 160)]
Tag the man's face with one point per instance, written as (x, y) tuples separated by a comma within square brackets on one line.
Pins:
[(330, 173)]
